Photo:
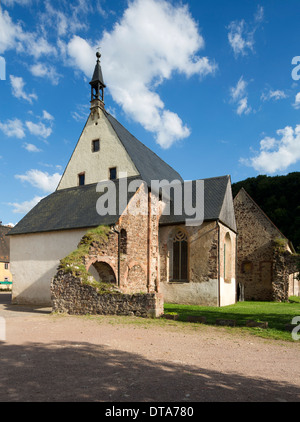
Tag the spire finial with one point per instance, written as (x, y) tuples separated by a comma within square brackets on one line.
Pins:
[(97, 84)]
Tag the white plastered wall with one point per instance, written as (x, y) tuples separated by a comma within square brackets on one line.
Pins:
[(227, 284), (34, 262), (96, 165)]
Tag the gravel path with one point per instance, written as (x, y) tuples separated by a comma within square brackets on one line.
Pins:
[(116, 359)]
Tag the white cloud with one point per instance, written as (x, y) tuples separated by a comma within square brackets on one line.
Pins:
[(239, 97), (241, 34), (273, 95), (13, 2), (41, 180), (239, 90), (31, 148), (240, 39), (71, 18), (13, 128), (26, 206), (259, 15), (277, 154), (82, 112), (39, 129), (13, 36), (152, 41), (8, 31), (18, 89), (297, 101), (47, 116), (42, 70), (243, 107)]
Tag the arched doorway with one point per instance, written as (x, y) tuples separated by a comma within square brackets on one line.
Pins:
[(102, 271)]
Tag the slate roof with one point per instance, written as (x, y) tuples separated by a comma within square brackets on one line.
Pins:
[(75, 208), (97, 76), (148, 164), (4, 243), (72, 208), (218, 203)]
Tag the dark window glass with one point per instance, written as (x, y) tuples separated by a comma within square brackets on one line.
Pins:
[(176, 259), (81, 179), (180, 256), (96, 145), (184, 254), (113, 173)]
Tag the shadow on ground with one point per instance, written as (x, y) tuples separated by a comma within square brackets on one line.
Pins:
[(69, 372), (5, 303)]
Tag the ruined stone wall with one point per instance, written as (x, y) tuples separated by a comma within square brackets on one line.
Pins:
[(69, 295), (256, 268), (136, 270), (284, 266)]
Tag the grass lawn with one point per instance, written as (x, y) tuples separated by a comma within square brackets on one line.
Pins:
[(278, 315)]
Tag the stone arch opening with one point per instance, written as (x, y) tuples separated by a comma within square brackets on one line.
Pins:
[(102, 271)]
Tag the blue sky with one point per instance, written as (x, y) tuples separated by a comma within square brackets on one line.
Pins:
[(210, 86)]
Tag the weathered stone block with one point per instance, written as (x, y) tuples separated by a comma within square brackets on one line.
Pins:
[(261, 324), (226, 322), (171, 316), (196, 318)]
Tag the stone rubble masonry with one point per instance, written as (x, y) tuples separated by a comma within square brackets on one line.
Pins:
[(135, 272), (69, 295), (262, 269)]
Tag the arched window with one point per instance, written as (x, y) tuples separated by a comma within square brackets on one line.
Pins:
[(180, 256), (123, 241), (227, 258)]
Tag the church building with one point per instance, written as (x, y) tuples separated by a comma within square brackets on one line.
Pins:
[(149, 251)]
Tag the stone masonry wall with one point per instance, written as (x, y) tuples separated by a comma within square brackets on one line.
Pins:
[(137, 269), (258, 268), (69, 295)]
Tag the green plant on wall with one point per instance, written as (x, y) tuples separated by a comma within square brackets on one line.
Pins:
[(74, 262)]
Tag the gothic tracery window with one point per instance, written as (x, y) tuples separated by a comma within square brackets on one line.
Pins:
[(180, 256)]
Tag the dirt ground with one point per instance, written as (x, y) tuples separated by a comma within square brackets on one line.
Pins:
[(54, 358)]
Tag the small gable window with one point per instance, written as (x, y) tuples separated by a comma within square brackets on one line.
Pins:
[(96, 145), (113, 173), (81, 179)]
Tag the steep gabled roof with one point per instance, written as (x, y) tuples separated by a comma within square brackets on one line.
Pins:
[(65, 209), (218, 203), (149, 165), (4, 243)]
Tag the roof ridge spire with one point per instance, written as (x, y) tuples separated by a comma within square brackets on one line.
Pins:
[(97, 85)]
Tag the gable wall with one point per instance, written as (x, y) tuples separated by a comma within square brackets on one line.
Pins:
[(96, 164), (255, 235)]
